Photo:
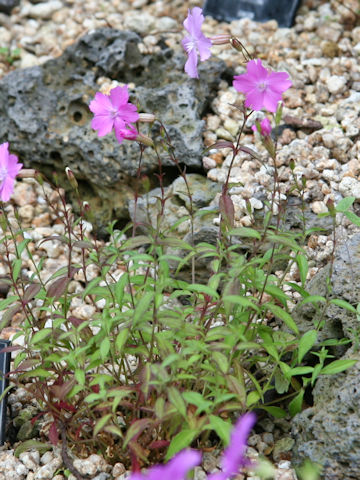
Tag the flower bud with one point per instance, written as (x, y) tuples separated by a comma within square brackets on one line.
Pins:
[(147, 117), (144, 140), (86, 206), (27, 173), (39, 177), (220, 39), (71, 177), (3, 221)]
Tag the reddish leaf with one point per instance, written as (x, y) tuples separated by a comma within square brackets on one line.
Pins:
[(221, 144), (31, 291), (8, 315), (53, 434), (12, 348), (82, 244), (58, 287), (250, 151), (227, 210), (157, 444), (60, 238)]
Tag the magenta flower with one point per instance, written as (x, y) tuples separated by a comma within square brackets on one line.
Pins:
[(9, 168), (265, 127), (176, 469), (234, 456), (262, 88), (113, 112), (196, 44)]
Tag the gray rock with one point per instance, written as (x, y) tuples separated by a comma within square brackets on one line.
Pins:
[(328, 433), (337, 322), (7, 5), (44, 115)]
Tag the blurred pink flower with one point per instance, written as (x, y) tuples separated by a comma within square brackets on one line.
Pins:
[(265, 127), (262, 88), (113, 111), (9, 168), (176, 468), (234, 456), (196, 44)]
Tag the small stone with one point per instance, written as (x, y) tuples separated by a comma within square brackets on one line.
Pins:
[(31, 459), (140, 23), (118, 469), (224, 134), (208, 163), (24, 194), (43, 10), (165, 24), (336, 84), (26, 213), (231, 126), (47, 471), (319, 207)]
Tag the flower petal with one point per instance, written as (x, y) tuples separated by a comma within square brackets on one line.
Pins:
[(103, 123), (119, 96), (6, 189), (101, 105), (191, 65)]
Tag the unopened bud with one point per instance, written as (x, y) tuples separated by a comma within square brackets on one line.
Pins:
[(220, 39), (39, 177), (235, 42), (86, 206), (144, 140), (27, 173), (147, 117), (3, 221), (71, 177)]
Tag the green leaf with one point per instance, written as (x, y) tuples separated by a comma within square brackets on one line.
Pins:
[(301, 370), (204, 289), (41, 335), (277, 293), (337, 366), (243, 301), (344, 204), (142, 307), (245, 232), (135, 429), (283, 315), (80, 376), (221, 361), (177, 400), (195, 398), (16, 268), (182, 440), (303, 266), (221, 427), (276, 412), (353, 218), (295, 405), (32, 444), (104, 348), (306, 343), (314, 299), (343, 304), (100, 424), (121, 340)]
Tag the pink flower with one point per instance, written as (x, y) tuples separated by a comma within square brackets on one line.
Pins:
[(113, 112), (265, 127), (262, 88), (9, 168), (234, 456), (196, 44), (176, 469)]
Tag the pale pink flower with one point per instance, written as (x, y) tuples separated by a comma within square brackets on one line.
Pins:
[(176, 468), (265, 127), (262, 88), (113, 111), (9, 168), (196, 43)]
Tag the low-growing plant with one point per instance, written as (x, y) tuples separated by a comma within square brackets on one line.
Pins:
[(167, 361)]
